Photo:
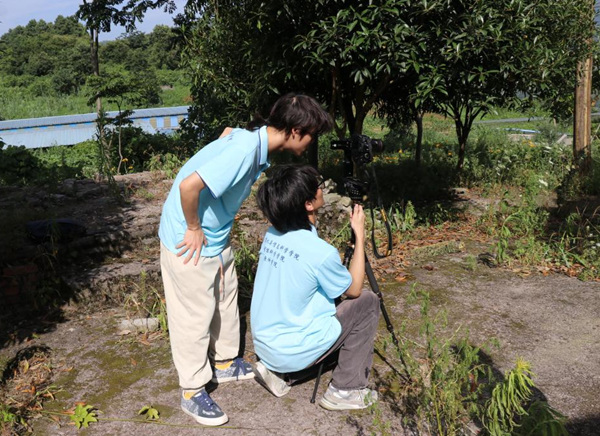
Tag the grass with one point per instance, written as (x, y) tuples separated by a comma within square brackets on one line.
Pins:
[(18, 103)]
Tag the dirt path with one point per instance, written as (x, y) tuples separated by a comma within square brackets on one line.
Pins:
[(552, 321)]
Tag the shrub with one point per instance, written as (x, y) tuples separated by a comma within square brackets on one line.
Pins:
[(18, 166), (140, 148)]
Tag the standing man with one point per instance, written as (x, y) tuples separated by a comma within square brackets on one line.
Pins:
[(197, 262)]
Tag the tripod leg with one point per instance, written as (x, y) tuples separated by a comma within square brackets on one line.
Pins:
[(375, 288), (318, 379), (386, 317)]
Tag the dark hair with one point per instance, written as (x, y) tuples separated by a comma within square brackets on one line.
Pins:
[(283, 196), (296, 111)]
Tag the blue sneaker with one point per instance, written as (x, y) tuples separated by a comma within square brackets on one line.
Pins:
[(203, 409), (238, 370)]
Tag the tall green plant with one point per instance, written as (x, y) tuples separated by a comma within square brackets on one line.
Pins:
[(449, 388), (444, 373), (510, 411)]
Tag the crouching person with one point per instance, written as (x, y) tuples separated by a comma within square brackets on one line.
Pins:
[(295, 321)]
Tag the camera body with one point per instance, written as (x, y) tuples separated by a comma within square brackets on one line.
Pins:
[(358, 152), (360, 148)]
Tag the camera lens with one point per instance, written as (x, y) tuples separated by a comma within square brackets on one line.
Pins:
[(377, 145)]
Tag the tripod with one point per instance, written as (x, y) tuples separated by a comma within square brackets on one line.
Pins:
[(388, 323)]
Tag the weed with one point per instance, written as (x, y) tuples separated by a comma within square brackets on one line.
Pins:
[(245, 264), (449, 387), (541, 419), (438, 215), (402, 219), (508, 398), (526, 233), (24, 388), (147, 302), (381, 426), (84, 415), (150, 413), (10, 420), (578, 242), (167, 163), (510, 411), (341, 238), (441, 396), (520, 228), (470, 262), (144, 193)]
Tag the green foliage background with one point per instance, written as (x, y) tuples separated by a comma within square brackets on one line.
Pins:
[(44, 68)]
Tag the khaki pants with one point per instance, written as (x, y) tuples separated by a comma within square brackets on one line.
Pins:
[(203, 315)]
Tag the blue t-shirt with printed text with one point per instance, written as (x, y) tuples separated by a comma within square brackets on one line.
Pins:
[(229, 167), (292, 312)]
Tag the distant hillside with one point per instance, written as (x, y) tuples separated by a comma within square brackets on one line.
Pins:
[(44, 69)]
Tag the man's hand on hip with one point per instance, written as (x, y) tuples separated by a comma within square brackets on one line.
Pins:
[(192, 243)]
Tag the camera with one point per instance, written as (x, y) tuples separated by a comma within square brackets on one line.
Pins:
[(358, 184), (359, 147), (358, 152)]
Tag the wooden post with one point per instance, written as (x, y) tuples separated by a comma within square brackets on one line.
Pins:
[(582, 118), (582, 114)]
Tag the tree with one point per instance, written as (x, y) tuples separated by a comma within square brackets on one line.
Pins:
[(100, 15), (218, 42), (459, 58), (398, 107), (163, 53), (241, 55), (121, 89), (362, 48), (54, 55), (68, 26), (476, 56)]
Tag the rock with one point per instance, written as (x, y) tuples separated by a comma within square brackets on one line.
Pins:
[(139, 324), (331, 198), (345, 202)]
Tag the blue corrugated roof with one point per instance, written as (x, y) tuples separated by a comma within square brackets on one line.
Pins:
[(73, 129)]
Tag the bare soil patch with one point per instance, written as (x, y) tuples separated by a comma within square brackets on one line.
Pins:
[(77, 351)]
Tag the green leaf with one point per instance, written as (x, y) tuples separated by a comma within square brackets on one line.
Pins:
[(83, 415), (150, 413)]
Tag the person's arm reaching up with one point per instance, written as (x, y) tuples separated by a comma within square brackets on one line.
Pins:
[(357, 264)]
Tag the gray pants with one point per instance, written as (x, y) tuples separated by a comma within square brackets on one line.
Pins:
[(359, 318)]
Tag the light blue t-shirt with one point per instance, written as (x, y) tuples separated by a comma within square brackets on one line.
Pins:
[(229, 167), (293, 311)]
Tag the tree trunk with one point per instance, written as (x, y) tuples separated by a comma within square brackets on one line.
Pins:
[(462, 133), (419, 140), (463, 129), (359, 122), (95, 62), (582, 119)]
